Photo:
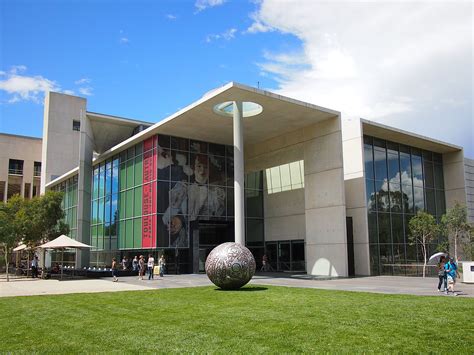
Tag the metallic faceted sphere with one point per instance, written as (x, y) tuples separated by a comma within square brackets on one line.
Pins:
[(230, 266)]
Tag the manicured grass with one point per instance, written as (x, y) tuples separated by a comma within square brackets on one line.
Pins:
[(253, 320)]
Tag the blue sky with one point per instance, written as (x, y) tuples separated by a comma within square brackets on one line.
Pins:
[(147, 59)]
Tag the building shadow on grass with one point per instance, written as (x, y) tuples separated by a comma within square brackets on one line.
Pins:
[(246, 289)]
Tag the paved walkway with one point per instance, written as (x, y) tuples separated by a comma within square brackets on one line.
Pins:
[(376, 284)]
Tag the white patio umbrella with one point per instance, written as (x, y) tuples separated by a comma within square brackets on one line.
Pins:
[(436, 256), (23, 247), (64, 242)]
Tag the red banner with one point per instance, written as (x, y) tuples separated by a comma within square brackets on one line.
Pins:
[(149, 193)]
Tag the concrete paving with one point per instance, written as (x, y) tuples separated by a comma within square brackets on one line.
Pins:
[(376, 284)]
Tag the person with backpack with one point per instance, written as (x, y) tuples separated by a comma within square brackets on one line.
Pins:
[(451, 268)]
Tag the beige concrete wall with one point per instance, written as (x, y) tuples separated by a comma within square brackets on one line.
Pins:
[(325, 207), (317, 212), (354, 180), (61, 144), (454, 179), (469, 183), (23, 148), (284, 211)]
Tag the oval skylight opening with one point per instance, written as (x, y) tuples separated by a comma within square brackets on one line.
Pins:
[(249, 109)]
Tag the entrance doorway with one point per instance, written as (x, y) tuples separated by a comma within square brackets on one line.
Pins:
[(286, 255), (211, 234)]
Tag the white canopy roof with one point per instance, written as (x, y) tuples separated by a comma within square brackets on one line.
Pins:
[(64, 241), (21, 247)]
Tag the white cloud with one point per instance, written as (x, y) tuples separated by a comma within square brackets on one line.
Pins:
[(406, 64), (204, 4), (17, 69), (227, 35), (68, 92), (26, 88), (86, 91), (82, 81), (171, 17), (124, 40)]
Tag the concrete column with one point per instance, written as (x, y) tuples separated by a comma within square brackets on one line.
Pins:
[(325, 209), (84, 189), (239, 192)]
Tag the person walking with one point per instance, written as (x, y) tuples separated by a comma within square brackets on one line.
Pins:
[(443, 281), (135, 263), (452, 272), (150, 265), (162, 264), (114, 270), (264, 263), (34, 267), (141, 267)]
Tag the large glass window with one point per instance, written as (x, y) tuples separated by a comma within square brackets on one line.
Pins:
[(400, 180)]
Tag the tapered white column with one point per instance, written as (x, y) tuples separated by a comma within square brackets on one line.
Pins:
[(239, 193)]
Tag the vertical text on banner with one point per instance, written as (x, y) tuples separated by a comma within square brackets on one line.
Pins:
[(149, 193)]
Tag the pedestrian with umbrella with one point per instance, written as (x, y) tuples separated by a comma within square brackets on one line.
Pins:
[(440, 267)]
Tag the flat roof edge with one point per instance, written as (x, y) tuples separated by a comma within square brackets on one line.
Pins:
[(205, 97), (284, 98), (118, 118), (20, 136), (63, 177), (411, 134)]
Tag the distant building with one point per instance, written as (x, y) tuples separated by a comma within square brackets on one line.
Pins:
[(20, 166), (312, 194)]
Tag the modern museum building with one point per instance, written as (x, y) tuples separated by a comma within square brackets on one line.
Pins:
[(291, 180)]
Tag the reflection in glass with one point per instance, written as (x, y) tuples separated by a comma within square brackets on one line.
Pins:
[(384, 228), (417, 171), (372, 222), (370, 197), (380, 164), (418, 198), (369, 162), (115, 176), (393, 168), (397, 228)]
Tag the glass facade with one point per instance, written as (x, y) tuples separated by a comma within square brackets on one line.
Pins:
[(157, 194), (69, 203), (400, 181)]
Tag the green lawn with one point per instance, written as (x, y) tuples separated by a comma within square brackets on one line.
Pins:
[(255, 319)]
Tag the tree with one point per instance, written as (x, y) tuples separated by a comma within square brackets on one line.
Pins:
[(454, 223), (44, 218), (31, 221), (423, 229), (11, 227)]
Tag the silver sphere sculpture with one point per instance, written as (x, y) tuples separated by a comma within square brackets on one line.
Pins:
[(230, 266)]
